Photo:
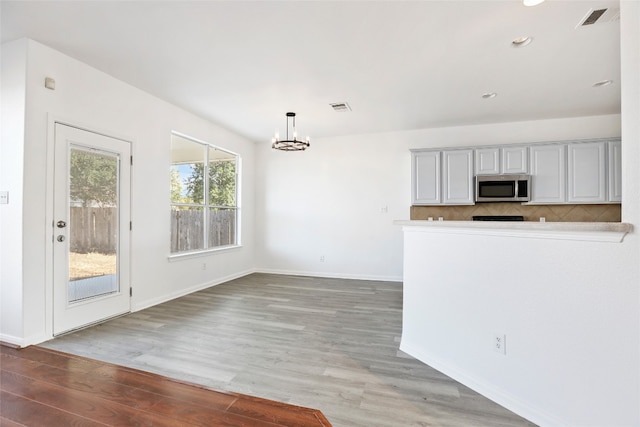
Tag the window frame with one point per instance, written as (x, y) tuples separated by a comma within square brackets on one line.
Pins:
[(206, 206)]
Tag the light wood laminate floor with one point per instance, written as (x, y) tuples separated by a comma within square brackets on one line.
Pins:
[(330, 344)]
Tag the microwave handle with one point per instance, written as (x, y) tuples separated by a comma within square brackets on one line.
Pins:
[(516, 188)]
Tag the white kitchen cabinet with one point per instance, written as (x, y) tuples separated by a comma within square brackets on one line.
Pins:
[(569, 172), (615, 171), (442, 177), (514, 160), (487, 161), (586, 172), (548, 173), (501, 160), (426, 178), (457, 177)]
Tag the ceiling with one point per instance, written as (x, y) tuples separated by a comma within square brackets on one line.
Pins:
[(401, 65)]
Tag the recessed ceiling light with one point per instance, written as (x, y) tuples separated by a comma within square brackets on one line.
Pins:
[(531, 2), (489, 95), (521, 41), (603, 83)]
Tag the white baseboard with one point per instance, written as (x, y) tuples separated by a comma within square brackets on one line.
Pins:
[(10, 339), (159, 300), (24, 342), (525, 410), (329, 275), (164, 298)]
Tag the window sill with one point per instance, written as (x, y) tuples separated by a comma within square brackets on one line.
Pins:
[(206, 252)]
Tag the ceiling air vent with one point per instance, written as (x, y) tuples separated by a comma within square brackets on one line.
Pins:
[(340, 107), (600, 16)]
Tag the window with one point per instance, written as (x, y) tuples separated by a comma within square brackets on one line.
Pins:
[(204, 212)]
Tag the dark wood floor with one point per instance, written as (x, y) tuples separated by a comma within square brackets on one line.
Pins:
[(43, 387)]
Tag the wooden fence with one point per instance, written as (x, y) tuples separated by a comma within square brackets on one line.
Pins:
[(187, 229), (93, 230)]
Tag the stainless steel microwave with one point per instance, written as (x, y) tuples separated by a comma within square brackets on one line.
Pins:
[(503, 188)]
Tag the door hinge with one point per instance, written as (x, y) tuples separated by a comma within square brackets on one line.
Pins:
[(131, 157), (130, 292), (130, 225)]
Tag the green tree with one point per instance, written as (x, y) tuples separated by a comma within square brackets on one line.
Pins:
[(176, 186), (93, 178), (195, 183), (222, 183)]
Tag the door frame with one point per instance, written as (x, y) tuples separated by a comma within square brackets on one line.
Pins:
[(52, 120)]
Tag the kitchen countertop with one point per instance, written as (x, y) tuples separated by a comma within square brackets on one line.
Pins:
[(588, 231)]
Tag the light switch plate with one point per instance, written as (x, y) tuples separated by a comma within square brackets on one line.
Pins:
[(4, 197)]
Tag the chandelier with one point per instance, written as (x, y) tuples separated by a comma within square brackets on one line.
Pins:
[(290, 144)]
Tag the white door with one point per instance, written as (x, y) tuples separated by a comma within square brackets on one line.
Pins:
[(90, 228)]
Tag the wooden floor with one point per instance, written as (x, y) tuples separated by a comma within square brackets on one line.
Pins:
[(329, 344), (42, 387)]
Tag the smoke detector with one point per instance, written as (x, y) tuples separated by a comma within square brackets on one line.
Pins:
[(600, 16), (340, 107)]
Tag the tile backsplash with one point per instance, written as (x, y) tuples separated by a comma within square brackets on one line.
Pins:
[(551, 213)]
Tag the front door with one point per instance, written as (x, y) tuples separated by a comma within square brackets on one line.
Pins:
[(90, 228)]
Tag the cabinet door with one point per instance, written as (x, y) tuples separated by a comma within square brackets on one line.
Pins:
[(426, 178), (548, 168), (457, 177), (586, 172), (514, 160), (615, 171), (487, 161)]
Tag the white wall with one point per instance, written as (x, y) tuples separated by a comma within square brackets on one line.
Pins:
[(570, 310), (329, 200), (92, 99), (13, 88)]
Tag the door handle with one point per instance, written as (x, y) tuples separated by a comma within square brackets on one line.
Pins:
[(60, 238), (61, 224)]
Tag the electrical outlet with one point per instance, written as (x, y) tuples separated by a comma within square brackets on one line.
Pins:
[(204, 265), (4, 197), (321, 258), (500, 343)]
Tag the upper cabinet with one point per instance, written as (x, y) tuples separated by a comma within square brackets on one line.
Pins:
[(457, 177), (501, 160), (548, 173), (426, 178), (586, 172), (572, 172), (514, 159), (615, 171), (442, 177), (487, 161)]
